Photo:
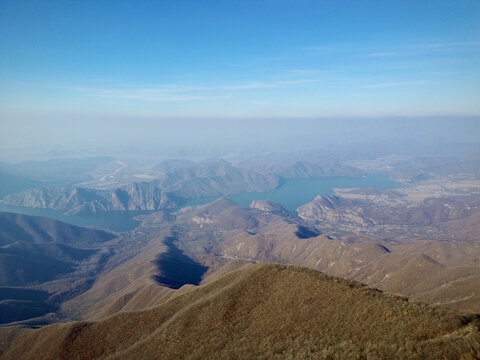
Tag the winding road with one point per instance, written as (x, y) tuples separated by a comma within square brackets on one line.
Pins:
[(104, 177)]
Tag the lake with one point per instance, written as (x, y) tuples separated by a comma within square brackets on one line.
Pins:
[(291, 195), (295, 193)]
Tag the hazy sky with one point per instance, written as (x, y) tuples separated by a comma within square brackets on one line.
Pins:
[(74, 62)]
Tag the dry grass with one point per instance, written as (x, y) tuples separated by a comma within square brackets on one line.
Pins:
[(263, 312)]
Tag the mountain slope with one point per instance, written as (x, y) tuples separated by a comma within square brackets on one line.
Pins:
[(37, 251), (76, 200), (10, 184), (215, 179), (262, 312), (294, 168), (227, 231), (431, 211), (167, 192), (38, 229)]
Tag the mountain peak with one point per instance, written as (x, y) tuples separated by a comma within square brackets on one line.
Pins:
[(263, 311)]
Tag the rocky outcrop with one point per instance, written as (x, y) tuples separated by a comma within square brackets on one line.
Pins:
[(74, 200), (334, 209), (168, 192), (269, 206), (431, 211)]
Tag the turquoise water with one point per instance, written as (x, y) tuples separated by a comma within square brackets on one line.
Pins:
[(295, 193), (292, 194)]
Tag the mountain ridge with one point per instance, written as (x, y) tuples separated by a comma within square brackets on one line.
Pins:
[(263, 311)]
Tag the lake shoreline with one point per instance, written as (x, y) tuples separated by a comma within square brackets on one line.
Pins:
[(291, 194)]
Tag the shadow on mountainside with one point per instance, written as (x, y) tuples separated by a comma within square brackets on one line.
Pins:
[(176, 269)]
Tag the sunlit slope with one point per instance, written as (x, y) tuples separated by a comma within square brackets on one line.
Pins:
[(262, 312)]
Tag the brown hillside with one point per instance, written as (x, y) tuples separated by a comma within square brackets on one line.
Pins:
[(262, 312)]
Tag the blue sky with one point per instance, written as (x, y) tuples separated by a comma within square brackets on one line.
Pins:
[(238, 59)]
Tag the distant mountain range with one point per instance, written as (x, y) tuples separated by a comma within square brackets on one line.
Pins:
[(143, 302), (198, 281), (300, 169), (413, 169), (11, 184), (75, 200), (167, 192), (215, 179), (177, 182), (431, 211)]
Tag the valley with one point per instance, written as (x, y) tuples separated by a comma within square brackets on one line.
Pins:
[(417, 239), (265, 180)]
